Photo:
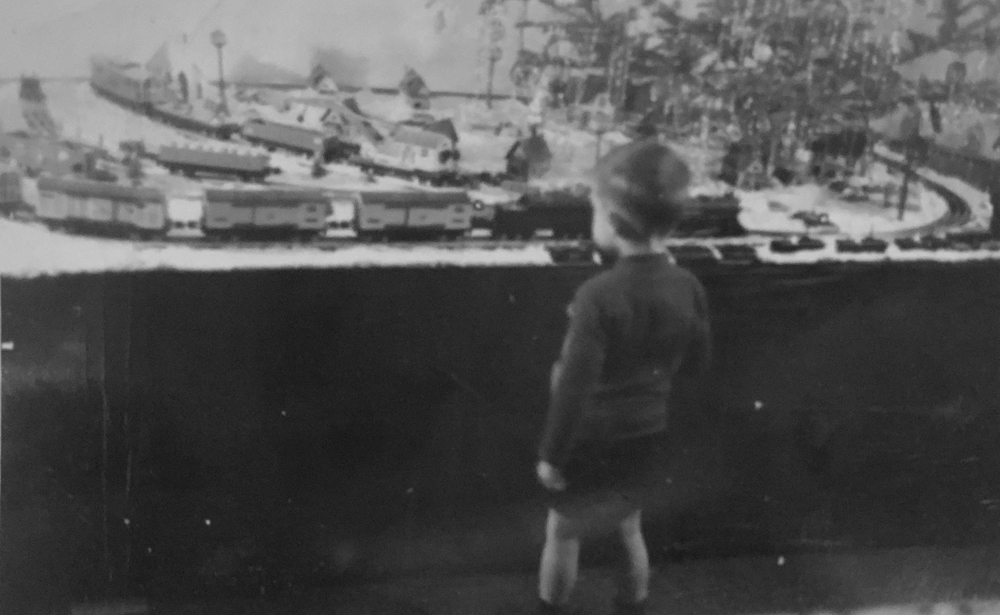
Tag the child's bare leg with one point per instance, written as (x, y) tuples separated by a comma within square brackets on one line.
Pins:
[(560, 560), (633, 578)]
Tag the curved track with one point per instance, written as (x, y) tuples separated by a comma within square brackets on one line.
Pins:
[(959, 212)]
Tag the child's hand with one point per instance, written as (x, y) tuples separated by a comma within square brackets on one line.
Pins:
[(550, 476)]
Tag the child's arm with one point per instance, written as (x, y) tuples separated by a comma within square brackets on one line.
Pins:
[(574, 375)]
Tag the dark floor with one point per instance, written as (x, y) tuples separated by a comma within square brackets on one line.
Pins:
[(906, 581)]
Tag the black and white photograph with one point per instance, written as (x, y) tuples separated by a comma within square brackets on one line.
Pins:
[(500, 307)]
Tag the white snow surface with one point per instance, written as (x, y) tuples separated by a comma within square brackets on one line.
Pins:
[(978, 200), (829, 254), (28, 250), (31, 250), (770, 211), (979, 205)]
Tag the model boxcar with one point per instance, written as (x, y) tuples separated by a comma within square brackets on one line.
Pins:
[(285, 212), (101, 207), (385, 215), (11, 194), (126, 83), (296, 139), (193, 119), (191, 161)]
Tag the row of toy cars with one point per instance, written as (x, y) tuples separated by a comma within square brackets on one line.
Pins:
[(101, 207), (958, 242)]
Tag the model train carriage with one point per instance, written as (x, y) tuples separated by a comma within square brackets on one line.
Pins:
[(187, 117), (384, 215), (296, 139), (190, 161), (101, 207), (11, 193), (300, 213), (126, 83)]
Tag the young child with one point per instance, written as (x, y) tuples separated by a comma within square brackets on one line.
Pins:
[(632, 329)]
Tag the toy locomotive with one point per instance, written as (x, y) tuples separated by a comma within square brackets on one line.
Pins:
[(284, 212)]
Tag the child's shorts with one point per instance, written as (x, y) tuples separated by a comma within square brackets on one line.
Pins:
[(633, 471)]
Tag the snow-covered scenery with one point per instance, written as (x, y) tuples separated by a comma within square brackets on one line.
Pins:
[(783, 114), (499, 307)]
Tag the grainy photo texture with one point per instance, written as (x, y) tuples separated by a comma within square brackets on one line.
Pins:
[(499, 307)]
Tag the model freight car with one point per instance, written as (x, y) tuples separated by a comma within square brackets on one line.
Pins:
[(130, 85), (101, 208), (126, 83), (265, 213), (297, 139), (188, 117), (11, 194), (400, 215), (191, 161)]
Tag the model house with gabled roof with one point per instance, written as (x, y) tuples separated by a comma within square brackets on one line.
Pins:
[(413, 147)]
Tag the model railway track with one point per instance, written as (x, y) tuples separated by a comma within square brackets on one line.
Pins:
[(958, 214), (338, 243), (234, 133), (958, 211)]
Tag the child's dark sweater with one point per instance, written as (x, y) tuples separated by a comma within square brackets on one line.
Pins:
[(631, 330)]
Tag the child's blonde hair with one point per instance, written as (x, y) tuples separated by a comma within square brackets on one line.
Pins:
[(643, 184)]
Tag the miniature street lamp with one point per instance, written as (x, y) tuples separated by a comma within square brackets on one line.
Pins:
[(219, 41), (496, 36)]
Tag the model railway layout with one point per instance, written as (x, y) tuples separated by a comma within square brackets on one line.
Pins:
[(411, 152), (256, 214), (256, 217)]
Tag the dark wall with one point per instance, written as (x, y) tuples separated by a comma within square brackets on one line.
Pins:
[(261, 430)]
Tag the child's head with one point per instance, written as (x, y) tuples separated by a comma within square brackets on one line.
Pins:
[(638, 193)]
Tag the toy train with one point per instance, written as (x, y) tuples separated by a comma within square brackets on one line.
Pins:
[(12, 198), (94, 207), (101, 208), (297, 140), (420, 153), (190, 162), (242, 213), (132, 86), (299, 213)]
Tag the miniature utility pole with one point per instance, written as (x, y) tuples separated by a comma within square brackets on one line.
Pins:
[(219, 40), (497, 31), (520, 29), (911, 142)]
